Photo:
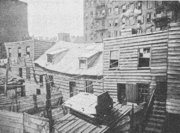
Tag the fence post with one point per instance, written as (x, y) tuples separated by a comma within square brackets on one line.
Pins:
[(48, 104)]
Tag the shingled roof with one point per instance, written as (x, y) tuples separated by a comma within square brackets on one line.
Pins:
[(68, 63)]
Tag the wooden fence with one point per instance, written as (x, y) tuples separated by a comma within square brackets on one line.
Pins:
[(12, 122)]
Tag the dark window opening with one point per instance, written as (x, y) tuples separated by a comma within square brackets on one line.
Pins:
[(28, 51), (38, 91), (89, 86), (49, 58), (144, 57), (148, 17), (20, 72), (41, 78), (19, 52), (72, 88), (9, 52), (114, 59)]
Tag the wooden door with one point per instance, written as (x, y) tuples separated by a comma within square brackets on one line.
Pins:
[(121, 93), (131, 93), (72, 88)]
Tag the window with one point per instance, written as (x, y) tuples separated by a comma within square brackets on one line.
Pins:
[(19, 52), (82, 63), (116, 10), (108, 34), (116, 21), (114, 56), (103, 12), (139, 5), (91, 14), (20, 72), (110, 23), (109, 11), (9, 52), (131, 21), (28, 51), (148, 17), (89, 86), (41, 78), (142, 92), (49, 58), (140, 19), (124, 8), (149, 4), (144, 57), (72, 88), (123, 20), (115, 33), (51, 80)]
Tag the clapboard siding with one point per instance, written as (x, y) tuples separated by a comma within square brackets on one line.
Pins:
[(173, 92), (128, 71)]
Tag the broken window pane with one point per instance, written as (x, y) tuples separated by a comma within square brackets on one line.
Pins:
[(144, 57)]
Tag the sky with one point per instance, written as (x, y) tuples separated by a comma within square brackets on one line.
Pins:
[(47, 18)]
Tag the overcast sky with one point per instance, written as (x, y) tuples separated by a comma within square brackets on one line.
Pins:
[(48, 17)]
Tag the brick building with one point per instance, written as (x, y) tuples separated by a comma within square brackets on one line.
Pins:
[(109, 18)]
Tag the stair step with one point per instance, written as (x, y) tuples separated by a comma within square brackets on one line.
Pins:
[(159, 116), (157, 120), (159, 107), (160, 102), (159, 111), (152, 130), (155, 125)]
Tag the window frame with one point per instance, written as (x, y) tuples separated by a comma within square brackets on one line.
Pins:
[(19, 52), (86, 86), (148, 18), (149, 57), (85, 63), (28, 52), (142, 93), (112, 68)]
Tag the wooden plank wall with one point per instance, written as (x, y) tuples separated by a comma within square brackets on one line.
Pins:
[(11, 122), (62, 82), (173, 91), (128, 71)]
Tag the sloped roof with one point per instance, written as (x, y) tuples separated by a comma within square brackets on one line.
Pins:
[(69, 64)]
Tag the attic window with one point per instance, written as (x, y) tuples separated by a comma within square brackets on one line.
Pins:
[(82, 63), (114, 59), (144, 57)]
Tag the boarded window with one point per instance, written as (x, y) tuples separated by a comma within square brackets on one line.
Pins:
[(144, 57), (49, 58), (9, 52), (89, 86), (28, 73), (114, 56), (82, 63), (28, 51), (19, 52), (142, 92)]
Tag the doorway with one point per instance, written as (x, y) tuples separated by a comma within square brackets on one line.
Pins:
[(72, 88)]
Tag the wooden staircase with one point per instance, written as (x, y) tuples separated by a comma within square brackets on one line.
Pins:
[(155, 123), (155, 115)]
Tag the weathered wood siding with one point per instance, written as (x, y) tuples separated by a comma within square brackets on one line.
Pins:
[(173, 92), (62, 82), (128, 71), (11, 122)]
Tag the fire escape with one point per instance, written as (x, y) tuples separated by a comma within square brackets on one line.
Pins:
[(166, 12), (100, 21)]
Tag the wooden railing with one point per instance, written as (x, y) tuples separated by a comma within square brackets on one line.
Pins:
[(143, 122)]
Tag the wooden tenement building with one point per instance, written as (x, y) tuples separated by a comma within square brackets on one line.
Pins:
[(145, 68)]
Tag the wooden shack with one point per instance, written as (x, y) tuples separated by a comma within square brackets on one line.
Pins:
[(138, 64), (72, 68)]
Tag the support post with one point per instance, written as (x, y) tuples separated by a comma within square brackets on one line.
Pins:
[(132, 119), (6, 81), (48, 104)]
